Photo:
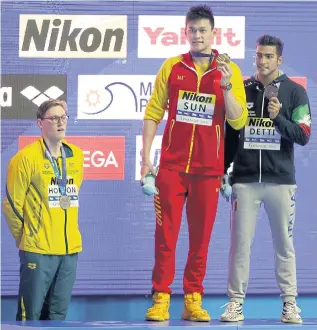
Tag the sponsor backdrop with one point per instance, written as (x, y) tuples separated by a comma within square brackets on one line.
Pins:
[(103, 63)]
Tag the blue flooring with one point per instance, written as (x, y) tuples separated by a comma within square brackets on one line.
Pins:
[(143, 325)]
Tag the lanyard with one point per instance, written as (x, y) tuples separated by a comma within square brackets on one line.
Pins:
[(61, 177), (197, 54)]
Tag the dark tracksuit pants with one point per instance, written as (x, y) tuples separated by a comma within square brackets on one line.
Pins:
[(46, 283), (201, 193)]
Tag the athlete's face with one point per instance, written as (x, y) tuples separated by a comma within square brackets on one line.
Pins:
[(267, 60), (200, 35), (54, 123)]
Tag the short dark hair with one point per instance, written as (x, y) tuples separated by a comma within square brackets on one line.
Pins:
[(200, 12), (46, 105), (267, 40)]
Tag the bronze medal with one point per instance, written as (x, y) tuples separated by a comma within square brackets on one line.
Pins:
[(271, 91)]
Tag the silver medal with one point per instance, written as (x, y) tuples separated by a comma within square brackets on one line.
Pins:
[(64, 202)]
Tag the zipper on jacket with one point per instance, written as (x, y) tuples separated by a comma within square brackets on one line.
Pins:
[(191, 149), (218, 139), (260, 151), (194, 125), (65, 232), (65, 224), (170, 134)]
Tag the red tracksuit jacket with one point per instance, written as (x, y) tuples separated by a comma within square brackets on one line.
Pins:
[(193, 140)]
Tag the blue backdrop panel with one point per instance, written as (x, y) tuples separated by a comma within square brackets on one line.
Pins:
[(116, 220)]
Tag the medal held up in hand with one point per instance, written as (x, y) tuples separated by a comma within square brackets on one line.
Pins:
[(223, 58), (271, 91)]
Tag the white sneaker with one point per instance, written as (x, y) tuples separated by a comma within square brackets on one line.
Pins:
[(290, 313), (233, 312)]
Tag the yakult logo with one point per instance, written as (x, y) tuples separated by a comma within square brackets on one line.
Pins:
[(104, 156), (164, 36)]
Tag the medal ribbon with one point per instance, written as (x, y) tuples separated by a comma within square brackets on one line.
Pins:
[(61, 177), (197, 54)]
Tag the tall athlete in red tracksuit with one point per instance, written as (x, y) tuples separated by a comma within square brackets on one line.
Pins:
[(202, 94)]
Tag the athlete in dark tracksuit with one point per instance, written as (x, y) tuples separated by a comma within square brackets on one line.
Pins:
[(264, 172)]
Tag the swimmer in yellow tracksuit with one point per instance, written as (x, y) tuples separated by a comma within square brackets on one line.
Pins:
[(41, 209)]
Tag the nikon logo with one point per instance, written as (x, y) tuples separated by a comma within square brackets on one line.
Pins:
[(191, 96), (261, 122), (73, 36), (54, 181)]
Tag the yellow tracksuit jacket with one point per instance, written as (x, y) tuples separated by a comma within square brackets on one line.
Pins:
[(31, 207)]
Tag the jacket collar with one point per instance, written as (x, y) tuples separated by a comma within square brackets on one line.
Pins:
[(188, 59), (67, 148)]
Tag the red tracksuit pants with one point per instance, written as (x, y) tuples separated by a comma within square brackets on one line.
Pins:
[(201, 193)]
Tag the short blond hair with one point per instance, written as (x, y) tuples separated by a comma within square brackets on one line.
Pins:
[(46, 105)]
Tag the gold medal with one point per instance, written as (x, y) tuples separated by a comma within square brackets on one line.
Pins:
[(223, 58), (64, 202)]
